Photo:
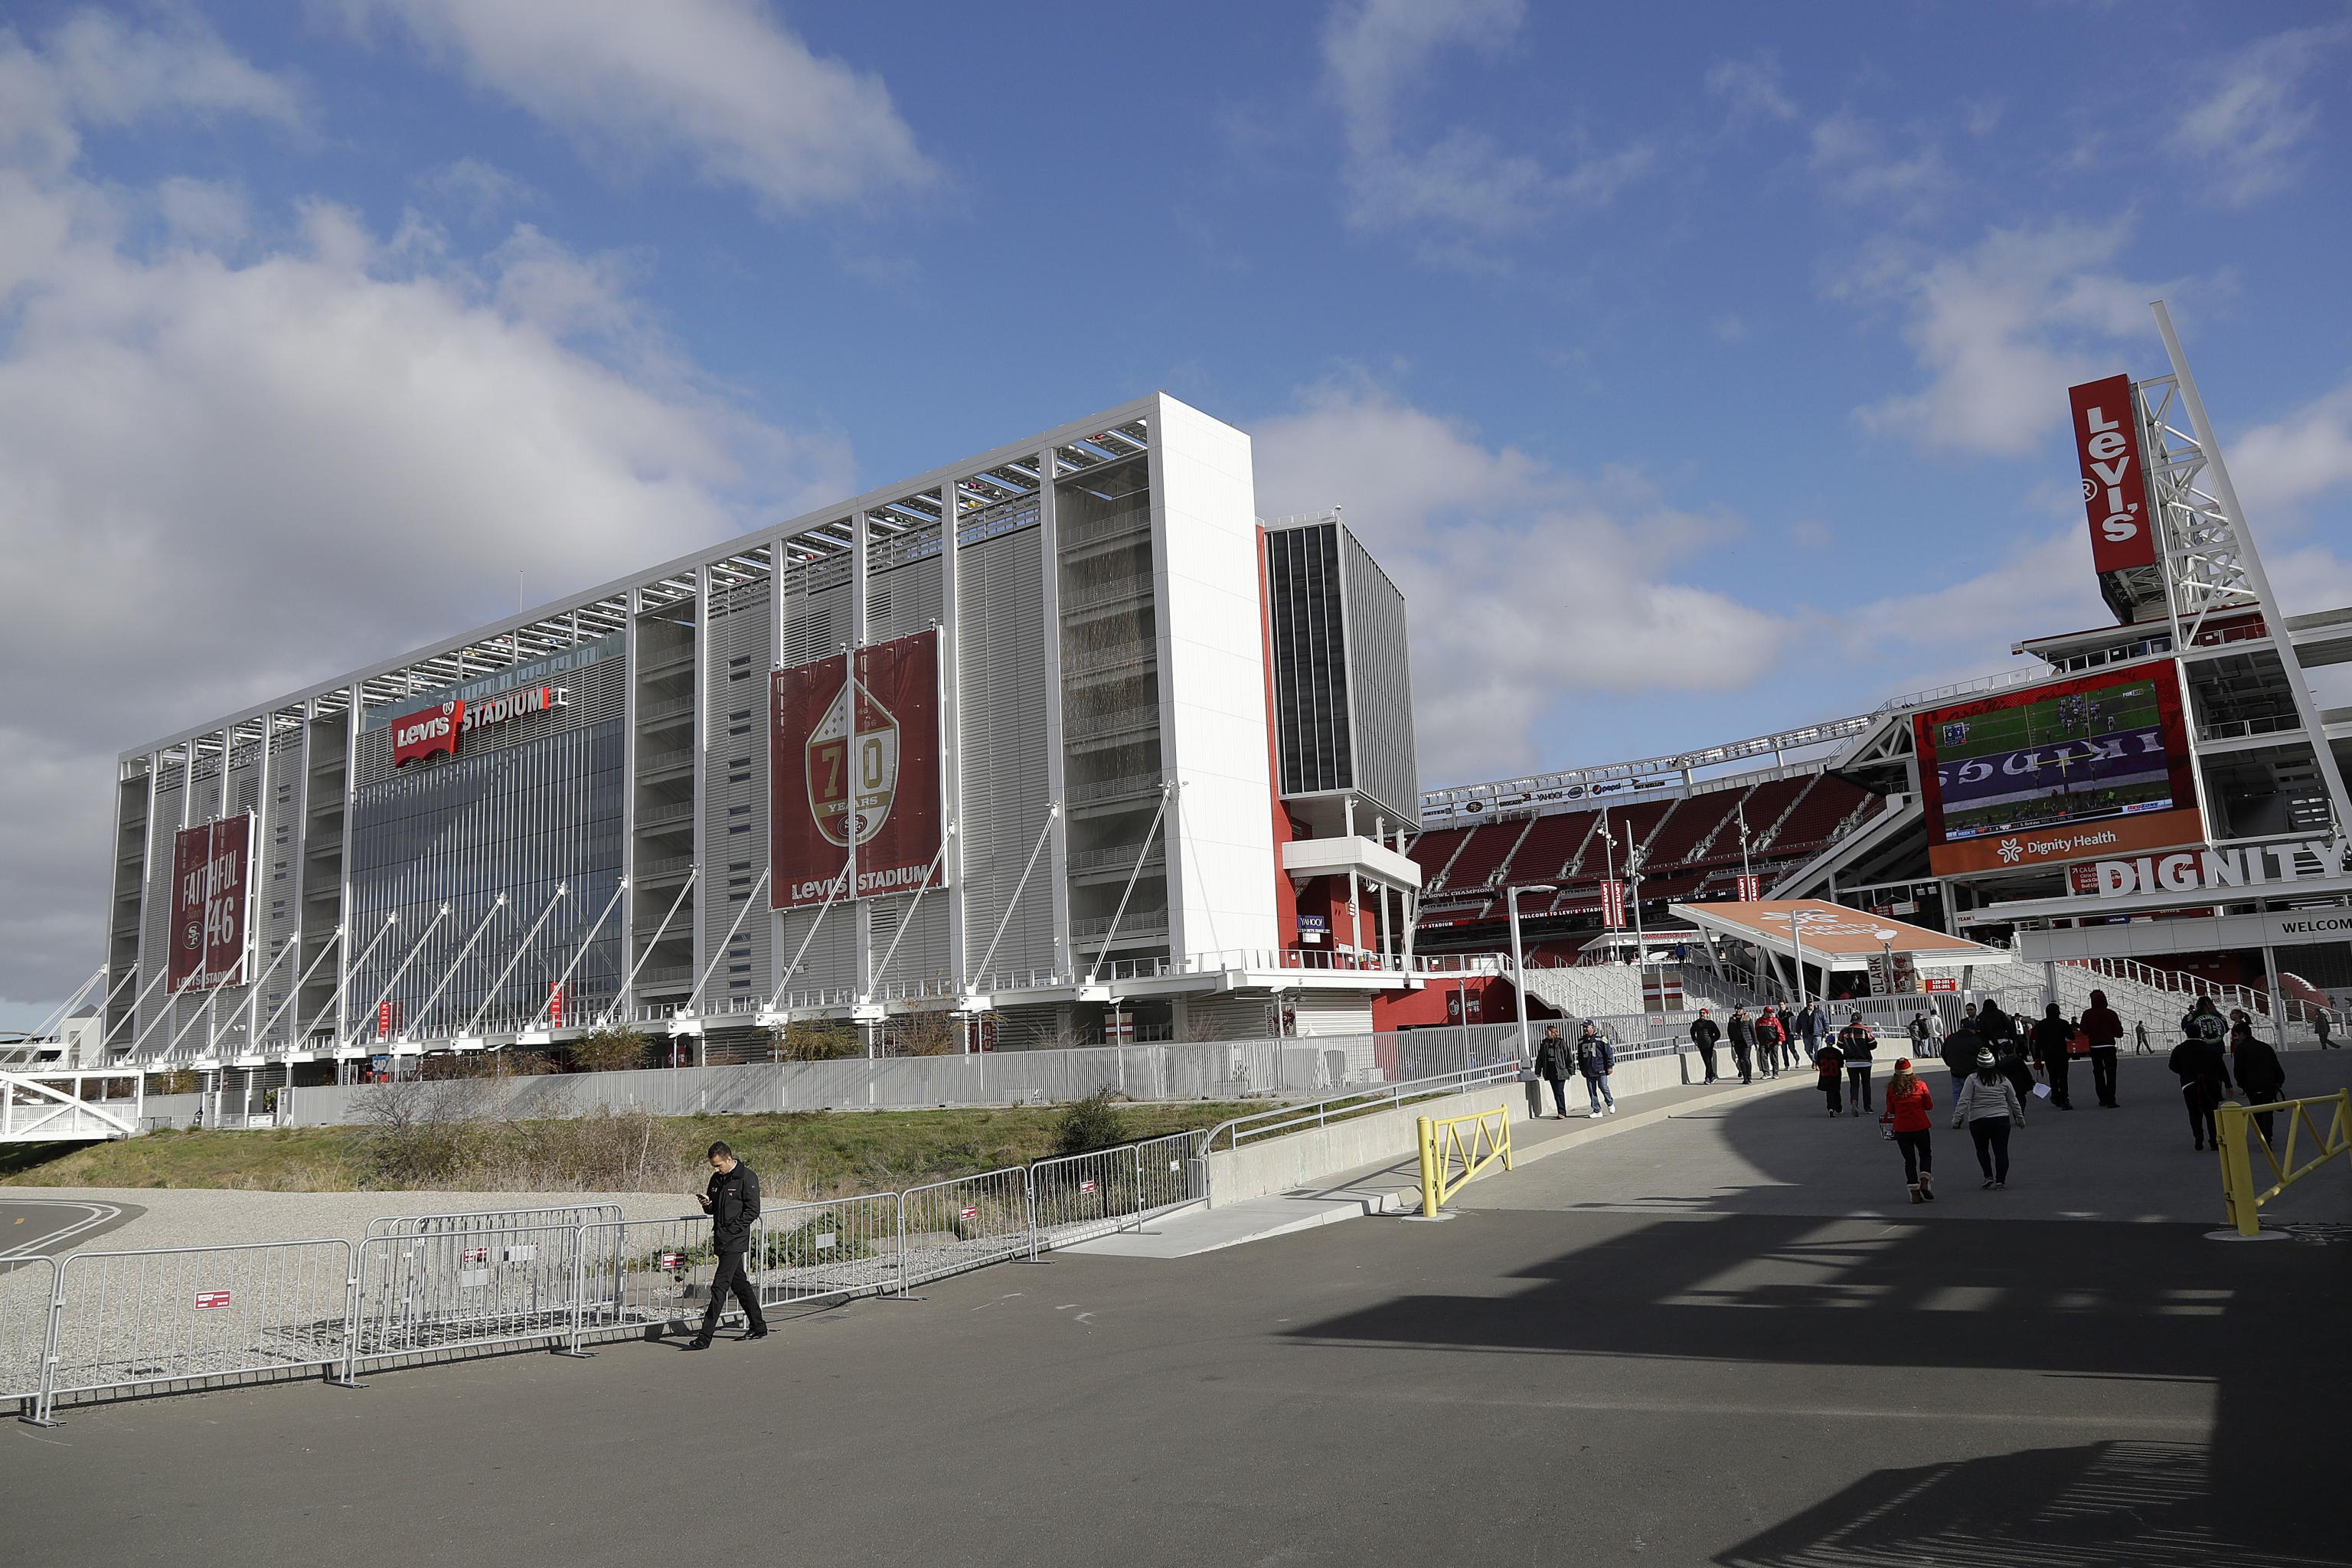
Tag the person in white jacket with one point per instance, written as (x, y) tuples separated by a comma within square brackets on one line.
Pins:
[(1988, 1107)]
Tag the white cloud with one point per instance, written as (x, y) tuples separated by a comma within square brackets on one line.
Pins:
[(1526, 586), (223, 476), (721, 84), (1750, 90), (2249, 132), (479, 191), (1855, 164), (1460, 181), (2045, 584), (203, 212), (2002, 329), (1811, 534), (2295, 459)]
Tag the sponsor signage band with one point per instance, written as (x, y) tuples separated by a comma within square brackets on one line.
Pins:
[(2189, 871), (2115, 490), (436, 729)]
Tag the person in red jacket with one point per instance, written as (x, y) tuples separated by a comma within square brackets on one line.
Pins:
[(1909, 1116), (1771, 1034)]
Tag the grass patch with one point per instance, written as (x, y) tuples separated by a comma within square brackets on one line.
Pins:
[(799, 1154)]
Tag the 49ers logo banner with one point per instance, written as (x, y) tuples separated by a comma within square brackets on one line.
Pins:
[(854, 772), (212, 868)]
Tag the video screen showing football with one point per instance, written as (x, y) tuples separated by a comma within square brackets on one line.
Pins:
[(2076, 757)]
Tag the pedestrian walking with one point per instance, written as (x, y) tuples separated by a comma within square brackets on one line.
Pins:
[(2103, 1029), (1922, 1030), (1856, 1044), (1987, 1106), (2052, 1039), (1742, 1032), (2140, 1047), (1552, 1063), (2203, 1071), (1805, 1032), (2325, 1031), (732, 1201), (1830, 1062), (1596, 1058), (1909, 1117), (1960, 1048), (1704, 1033), (1771, 1034), (2259, 1074)]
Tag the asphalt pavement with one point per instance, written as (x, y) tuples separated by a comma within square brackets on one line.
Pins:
[(1706, 1341), (41, 1227)]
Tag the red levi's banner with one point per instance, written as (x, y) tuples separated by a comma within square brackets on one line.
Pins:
[(1612, 904), (2115, 489), (1751, 888), (854, 767), (211, 867), (422, 733)]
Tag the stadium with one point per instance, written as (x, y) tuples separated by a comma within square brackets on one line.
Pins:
[(1064, 745)]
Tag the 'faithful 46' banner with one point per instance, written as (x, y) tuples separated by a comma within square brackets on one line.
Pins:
[(2114, 492), (212, 872), (854, 770)]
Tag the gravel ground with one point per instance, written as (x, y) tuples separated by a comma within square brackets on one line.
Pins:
[(204, 1216)]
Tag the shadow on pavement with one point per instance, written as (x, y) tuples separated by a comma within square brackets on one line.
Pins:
[(2134, 1304)]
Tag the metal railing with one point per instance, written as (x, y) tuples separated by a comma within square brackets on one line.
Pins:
[(121, 1320), (1454, 1149), (946, 1227), (427, 1285), (2233, 1121), (1240, 1130)]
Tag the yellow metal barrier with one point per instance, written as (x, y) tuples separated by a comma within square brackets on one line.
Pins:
[(2234, 1123), (1456, 1148)]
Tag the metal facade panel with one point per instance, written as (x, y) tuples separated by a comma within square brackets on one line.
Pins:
[(735, 793), (1379, 681), (1002, 646), (162, 825), (1310, 659)]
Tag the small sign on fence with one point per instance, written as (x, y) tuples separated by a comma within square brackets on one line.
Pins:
[(522, 1253), (670, 1260), (1085, 1186), (825, 1238), (970, 1211), (475, 1255), (208, 1299)]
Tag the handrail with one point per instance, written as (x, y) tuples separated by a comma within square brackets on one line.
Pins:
[(1239, 1129)]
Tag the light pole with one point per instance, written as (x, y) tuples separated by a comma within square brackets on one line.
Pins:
[(1746, 875), (1641, 946), (1518, 971), (1886, 960)]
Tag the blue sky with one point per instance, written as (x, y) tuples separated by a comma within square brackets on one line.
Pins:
[(1696, 370)]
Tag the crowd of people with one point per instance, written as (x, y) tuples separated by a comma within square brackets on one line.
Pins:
[(1999, 1063)]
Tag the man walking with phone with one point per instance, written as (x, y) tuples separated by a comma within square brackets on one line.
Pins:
[(732, 1202)]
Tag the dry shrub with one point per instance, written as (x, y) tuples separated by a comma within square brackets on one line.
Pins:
[(816, 1040), (921, 1034), (617, 1049)]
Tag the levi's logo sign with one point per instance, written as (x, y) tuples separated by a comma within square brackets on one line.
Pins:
[(421, 734)]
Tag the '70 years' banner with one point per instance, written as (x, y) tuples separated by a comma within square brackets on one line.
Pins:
[(854, 770)]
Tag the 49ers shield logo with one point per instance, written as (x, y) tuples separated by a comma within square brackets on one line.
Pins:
[(852, 766)]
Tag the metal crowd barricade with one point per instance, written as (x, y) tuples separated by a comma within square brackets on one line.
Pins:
[(635, 1275), (1082, 1195), (492, 1220), (121, 1320), (946, 1227), (28, 1285), (457, 1288), (838, 1247)]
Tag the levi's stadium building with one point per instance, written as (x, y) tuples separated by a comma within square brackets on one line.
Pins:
[(1057, 744)]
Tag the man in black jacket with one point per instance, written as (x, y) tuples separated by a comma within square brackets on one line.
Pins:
[(732, 1202), (1703, 1034), (1743, 1044)]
